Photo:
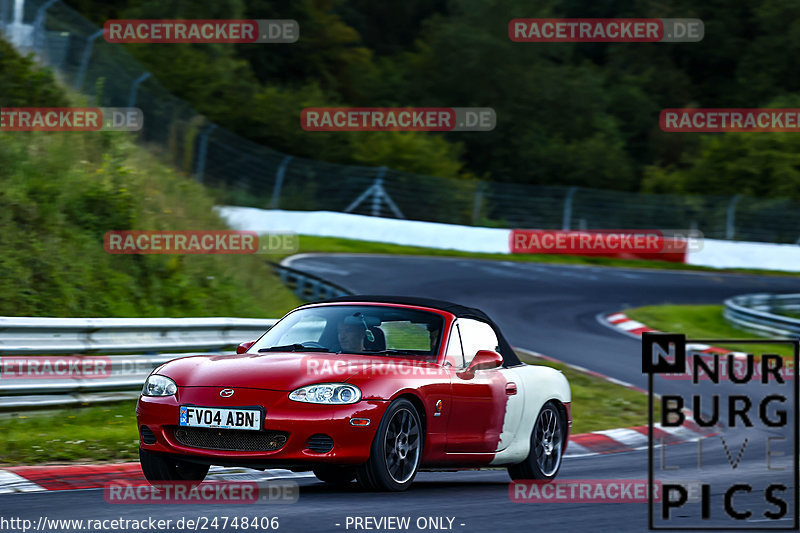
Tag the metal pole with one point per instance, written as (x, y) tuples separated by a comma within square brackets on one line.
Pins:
[(730, 225), (135, 89), (3, 14), (360, 198), (279, 175), (87, 54), (376, 196), (202, 152), (38, 24), (567, 219), (476, 206)]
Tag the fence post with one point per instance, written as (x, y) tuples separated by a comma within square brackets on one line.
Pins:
[(87, 54), (135, 88), (279, 175), (567, 219), (38, 24), (376, 198), (202, 152), (730, 224), (478, 203), (3, 14)]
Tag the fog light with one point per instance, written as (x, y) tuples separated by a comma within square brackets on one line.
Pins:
[(359, 421)]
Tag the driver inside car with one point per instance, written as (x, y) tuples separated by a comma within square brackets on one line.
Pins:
[(351, 336)]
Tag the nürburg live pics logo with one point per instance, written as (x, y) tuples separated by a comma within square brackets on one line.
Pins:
[(743, 473)]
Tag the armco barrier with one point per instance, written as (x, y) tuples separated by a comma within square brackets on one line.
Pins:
[(155, 340), (759, 313), (308, 287), (145, 342)]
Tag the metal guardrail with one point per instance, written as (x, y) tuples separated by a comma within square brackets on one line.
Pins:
[(760, 314), (154, 341), (309, 287), (29, 335), (134, 347)]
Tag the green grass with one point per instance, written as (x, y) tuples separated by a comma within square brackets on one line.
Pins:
[(701, 322), (598, 404), (108, 433), (314, 244), (87, 434), (61, 192)]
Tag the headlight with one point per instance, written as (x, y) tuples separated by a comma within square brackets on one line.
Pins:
[(332, 393), (156, 385)]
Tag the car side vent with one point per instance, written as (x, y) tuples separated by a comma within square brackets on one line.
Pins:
[(147, 435), (320, 443)]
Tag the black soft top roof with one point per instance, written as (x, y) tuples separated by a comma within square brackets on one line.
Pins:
[(509, 357)]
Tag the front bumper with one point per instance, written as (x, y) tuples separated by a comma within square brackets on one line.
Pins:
[(300, 421)]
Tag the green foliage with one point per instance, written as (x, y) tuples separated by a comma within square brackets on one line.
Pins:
[(753, 164), (568, 114), (57, 200), (61, 192), (23, 83)]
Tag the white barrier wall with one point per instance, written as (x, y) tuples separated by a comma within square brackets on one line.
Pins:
[(366, 228), (715, 253), (735, 254)]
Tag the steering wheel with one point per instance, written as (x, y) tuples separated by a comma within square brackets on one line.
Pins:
[(312, 344)]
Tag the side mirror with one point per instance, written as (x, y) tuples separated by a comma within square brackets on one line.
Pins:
[(242, 348), (483, 360)]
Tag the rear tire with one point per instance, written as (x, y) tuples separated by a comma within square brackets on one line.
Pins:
[(396, 450), (335, 475), (157, 468), (547, 446)]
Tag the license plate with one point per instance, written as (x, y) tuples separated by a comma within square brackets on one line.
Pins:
[(212, 417)]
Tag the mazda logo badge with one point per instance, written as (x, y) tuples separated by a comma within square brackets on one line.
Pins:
[(226, 393)]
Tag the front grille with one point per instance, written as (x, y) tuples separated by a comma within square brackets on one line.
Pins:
[(147, 435), (230, 439), (320, 443)]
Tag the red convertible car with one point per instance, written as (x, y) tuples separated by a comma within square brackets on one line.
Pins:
[(369, 388)]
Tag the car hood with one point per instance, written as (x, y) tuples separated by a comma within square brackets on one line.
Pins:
[(272, 371)]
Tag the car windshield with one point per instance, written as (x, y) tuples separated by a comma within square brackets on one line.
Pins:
[(356, 329)]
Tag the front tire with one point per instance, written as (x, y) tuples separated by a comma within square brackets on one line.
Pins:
[(396, 450), (158, 468), (547, 446)]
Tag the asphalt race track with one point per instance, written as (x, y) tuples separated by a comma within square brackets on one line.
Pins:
[(550, 309)]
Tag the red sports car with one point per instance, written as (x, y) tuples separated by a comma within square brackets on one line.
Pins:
[(363, 387)]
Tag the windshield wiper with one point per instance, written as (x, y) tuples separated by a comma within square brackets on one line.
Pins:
[(389, 352), (293, 348)]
